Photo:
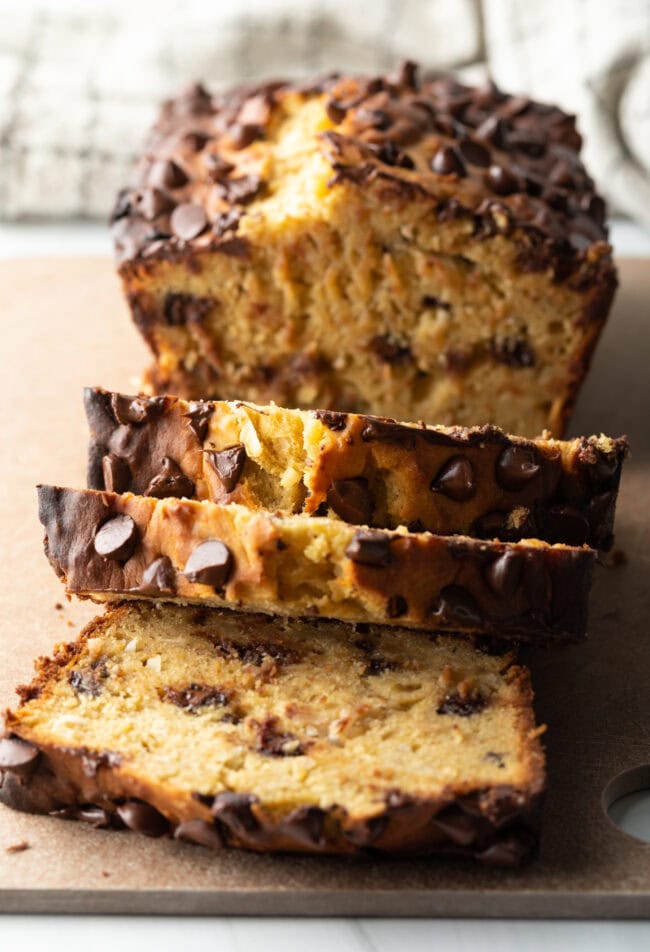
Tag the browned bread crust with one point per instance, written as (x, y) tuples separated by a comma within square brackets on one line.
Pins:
[(108, 546), (362, 469), (98, 688), (413, 249)]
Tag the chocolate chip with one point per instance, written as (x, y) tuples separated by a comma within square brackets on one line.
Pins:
[(116, 472), (462, 706), (242, 135), (199, 416), (228, 464), (210, 563), (136, 410), (17, 756), (241, 190), (143, 818), (370, 548), (474, 153), (503, 575), (153, 202), (502, 181), (159, 578), (396, 606), (188, 221), (460, 828), (447, 161), (516, 466), (275, 743), (88, 680), (94, 816), (196, 696), (390, 350), (234, 810), (179, 309), (512, 851), (332, 419), (513, 352), (305, 825), (378, 665), (565, 524), (229, 222), (218, 168), (196, 141), (490, 526), (116, 539), (167, 174), (430, 301), (200, 832), (455, 606), (350, 500), (171, 481), (493, 130), (336, 111), (455, 479)]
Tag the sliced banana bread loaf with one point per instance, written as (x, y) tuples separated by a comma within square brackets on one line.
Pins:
[(109, 546), (420, 250), (362, 469), (228, 729)]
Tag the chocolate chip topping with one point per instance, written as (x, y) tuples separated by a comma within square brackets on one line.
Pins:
[(167, 174), (170, 481), (143, 818), (332, 419), (447, 161), (369, 547), (455, 479), (306, 825), (211, 563), (200, 832), (565, 524), (235, 811), (159, 578), (350, 499), (199, 417), (516, 466), (228, 464), (503, 575), (241, 191), (17, 756), (136, 410), (117, 538), (455, 606), (116, 472), (188, 221)]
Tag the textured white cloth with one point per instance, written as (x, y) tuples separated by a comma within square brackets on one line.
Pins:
[(80, 81)]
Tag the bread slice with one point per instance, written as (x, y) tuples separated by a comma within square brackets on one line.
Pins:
[(228, 729), (419, 250), (362, 469), (110, 546)]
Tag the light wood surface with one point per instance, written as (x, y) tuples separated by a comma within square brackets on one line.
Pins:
[(65, 326)]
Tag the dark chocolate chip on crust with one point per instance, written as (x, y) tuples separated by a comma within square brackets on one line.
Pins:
[(456, 606), (117, 538), (235, 811), (455, 479), (159, 578), (116, 472), (370, 547), (447, 161), (490, 525), (503, 575), (143, 818), (210, 563), (170, 481), (516, 466), (17, 756), (305, 825), (135, 410), (332, 419), (350, 499), (565, 524), (228, 464), (200, 832), (167, 174), (199, 416), (188, 221)]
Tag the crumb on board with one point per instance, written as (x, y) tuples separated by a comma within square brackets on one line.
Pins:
[(70, 624), (17, 847), (58, 606), (105, 873)]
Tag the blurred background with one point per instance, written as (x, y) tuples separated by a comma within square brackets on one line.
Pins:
[(80, 81)]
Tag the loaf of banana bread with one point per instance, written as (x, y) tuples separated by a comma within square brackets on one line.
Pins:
[(361, 469), (419, 250), (108, 547), (226, 729)]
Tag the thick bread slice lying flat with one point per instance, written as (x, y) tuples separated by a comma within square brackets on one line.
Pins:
[(228, 729)]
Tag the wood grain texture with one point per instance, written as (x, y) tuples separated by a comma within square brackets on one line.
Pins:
[(65, 327)]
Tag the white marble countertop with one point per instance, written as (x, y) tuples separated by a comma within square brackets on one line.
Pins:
[(149, 934)]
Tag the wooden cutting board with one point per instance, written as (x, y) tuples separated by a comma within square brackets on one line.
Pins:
[(65, 326)]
